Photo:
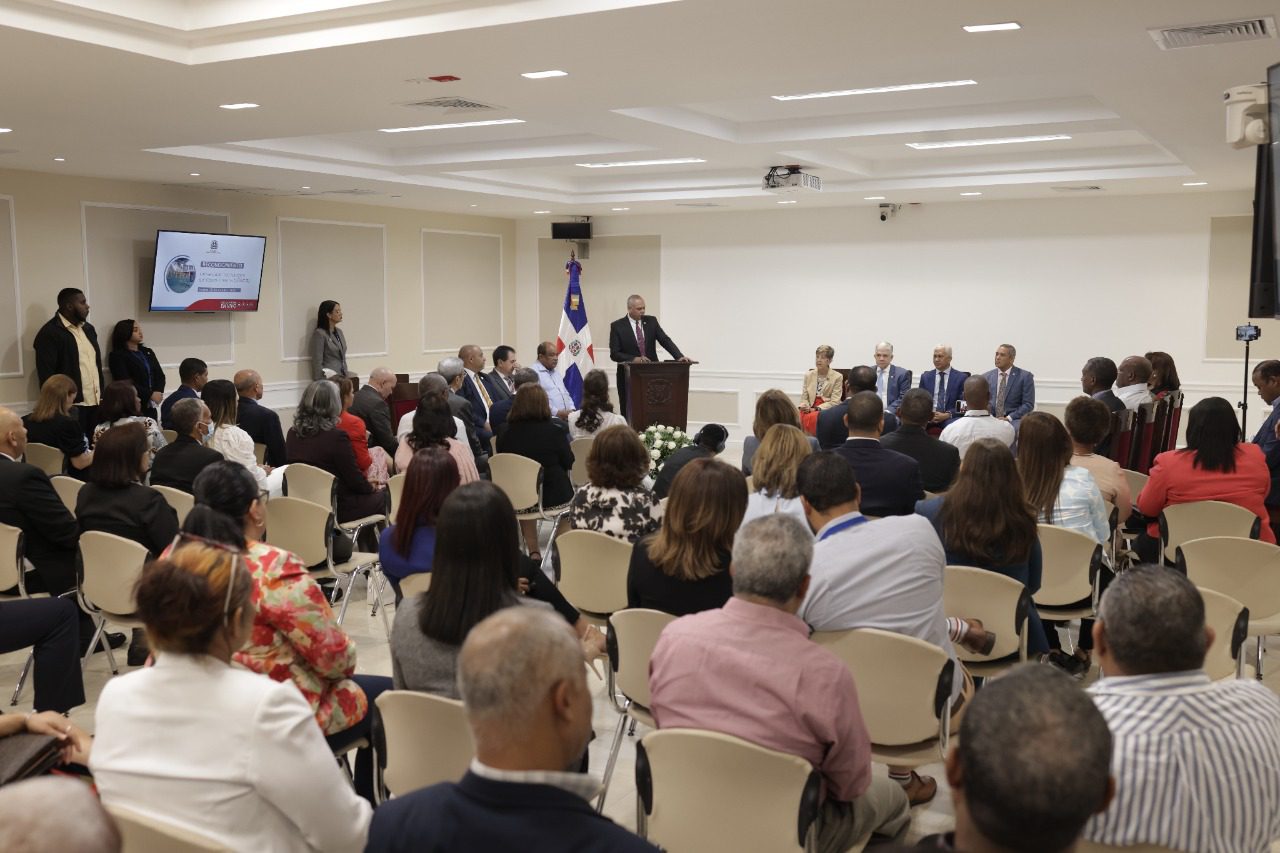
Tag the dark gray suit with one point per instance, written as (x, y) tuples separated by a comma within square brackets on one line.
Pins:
[(498, 388), (369, 407)]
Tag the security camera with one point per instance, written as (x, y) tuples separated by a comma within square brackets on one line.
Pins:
[(887, 211), (1246, 115)]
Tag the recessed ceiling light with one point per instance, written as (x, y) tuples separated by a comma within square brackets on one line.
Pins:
[(542, 211), (877, 90), (59, 159), (244, 106), (6, 130), (306, 188), (873, 198), (969, 143), (1196, 184), (788, 201), (451, 125), (620, 208), (991, 28), (194, 174), (970, 193), (542, 75), (475, 205), (675, 161)]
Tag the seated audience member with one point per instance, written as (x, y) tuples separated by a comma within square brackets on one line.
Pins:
[(477, 569), (833, 430), (231, 441), (1062, 494), (130, 359), (296, 637), (521, 679), (1131, 382), (708, 443), (822, 388), (120, 406), (370, 459), (1012, 389), (475, 384), (1096, 378), (944, 385), (551, 378), (370, 405), (885, 575), (50, 627), (938, 460), (596, 414), (1197, 764), (890, 481), (316, 440), (178, 464), (433, 426), (50, 534), (261, 423), (891, 381), (614, 502), (684, 567), (749, 670), (192, 373), (501, 381), (1164, 375), (455, 374), (1266, 378), (532, 433), (222, 751), (1214, 466), (984, 520), (1029, 768), (501, 409), (52, 423), (79, 824), (977, 422), (773, 483), (431, 383), (408, 546), (1087, 422), (772, 407)]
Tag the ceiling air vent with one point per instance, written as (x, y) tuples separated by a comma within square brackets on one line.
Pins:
[(451, 106), (698, 204), (1199, 35), (1091, 188), (348, 192)]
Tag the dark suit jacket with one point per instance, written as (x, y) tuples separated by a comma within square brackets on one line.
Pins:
[(460, 408), (263, 426), (369, 407), (498, 415), (135, 512), (677, 460), (1019, 396), (56, 352), (622, 340), (938, 460), (331, 451), (498, 388), (951, 394), (477, 814), (831, 431), (545, 442), (479, 415), (1114, 404), (182, 392), (147, 378), (178, 463), (50, 534), (899, 384), (890, 480)]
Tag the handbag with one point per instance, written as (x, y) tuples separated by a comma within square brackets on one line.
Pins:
[(24, 755)]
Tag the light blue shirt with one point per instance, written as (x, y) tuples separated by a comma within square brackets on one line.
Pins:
[(1080, 506), (553, 383)]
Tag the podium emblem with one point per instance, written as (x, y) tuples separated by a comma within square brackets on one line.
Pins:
[(658, 392)]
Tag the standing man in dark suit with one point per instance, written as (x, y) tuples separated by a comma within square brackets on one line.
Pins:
[(833, 428), (1013, 390), (179, 462), (262, 424), (939, 462), (68, 344), (502, 378), (890, 480), (635, 337), (944, 384), (370, 405), (891, 381)]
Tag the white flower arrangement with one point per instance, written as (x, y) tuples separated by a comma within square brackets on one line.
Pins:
[(661, 442)]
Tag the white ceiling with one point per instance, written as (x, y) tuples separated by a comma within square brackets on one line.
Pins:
[(131, 88)]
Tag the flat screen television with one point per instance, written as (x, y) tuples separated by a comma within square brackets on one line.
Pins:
[(570, 230), (207, 272), (1264, 274)]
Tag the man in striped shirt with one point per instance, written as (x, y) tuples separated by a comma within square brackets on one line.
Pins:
[(1196, 764)]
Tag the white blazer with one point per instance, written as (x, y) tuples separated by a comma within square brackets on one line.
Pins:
[(228, 753)]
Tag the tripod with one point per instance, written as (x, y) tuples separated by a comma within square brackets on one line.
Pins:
[(1243, 405)]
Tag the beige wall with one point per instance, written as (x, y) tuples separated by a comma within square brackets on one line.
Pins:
[(61, 225)]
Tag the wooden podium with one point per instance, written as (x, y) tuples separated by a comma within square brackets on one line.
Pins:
[(658, 393)]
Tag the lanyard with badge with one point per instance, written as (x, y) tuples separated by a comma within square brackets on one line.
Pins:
[(844, 525)]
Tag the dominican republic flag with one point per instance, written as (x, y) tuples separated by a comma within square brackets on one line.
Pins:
[(574, 342)]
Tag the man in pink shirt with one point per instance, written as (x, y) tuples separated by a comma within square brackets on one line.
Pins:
[(750, 670)]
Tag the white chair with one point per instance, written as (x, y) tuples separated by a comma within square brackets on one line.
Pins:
[(170, 435), (593, 573), (703, 791), (520, 478), (1230, 622), (1071, 563), (428, 740), (415, 584), (1002, 604), (141, 833), (260, 452), (1181, 523), (320, 487), (68, 489), (581, 448), (13, 574), (109, 569), (182, 502), (395, 487), (632, 635), (1247, 570), (48, 459)]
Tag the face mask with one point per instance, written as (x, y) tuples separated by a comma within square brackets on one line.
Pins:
[(208, 435)]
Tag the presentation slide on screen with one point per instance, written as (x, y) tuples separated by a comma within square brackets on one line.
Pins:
[(207, 272)]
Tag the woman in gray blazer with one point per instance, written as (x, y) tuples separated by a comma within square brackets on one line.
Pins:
[(328, 345)]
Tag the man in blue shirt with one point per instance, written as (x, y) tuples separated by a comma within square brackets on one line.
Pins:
[(552, 381), (1266, 378)]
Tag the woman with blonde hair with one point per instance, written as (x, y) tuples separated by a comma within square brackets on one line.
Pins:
[(772, 407), (684, 567), (52, 423), (773, 479), (822, 388)]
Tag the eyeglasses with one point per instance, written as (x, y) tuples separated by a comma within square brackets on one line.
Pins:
[(221, 546)]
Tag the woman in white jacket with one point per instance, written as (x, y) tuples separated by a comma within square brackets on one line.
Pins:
[(231, 441)]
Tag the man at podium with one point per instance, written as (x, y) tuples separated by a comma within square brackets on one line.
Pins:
[(635, 337)]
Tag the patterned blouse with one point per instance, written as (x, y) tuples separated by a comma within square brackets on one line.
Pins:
[(155, 438), (621, 513), (297, 638)]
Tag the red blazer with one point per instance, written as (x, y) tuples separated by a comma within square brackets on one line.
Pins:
[(1174, 480), (354, 427)]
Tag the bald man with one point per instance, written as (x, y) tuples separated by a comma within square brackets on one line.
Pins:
[(978, 422), (76, 823), (1131, 382), (370, 405), (262, 424)]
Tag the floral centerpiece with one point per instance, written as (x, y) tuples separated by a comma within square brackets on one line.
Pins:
[(662, 441)]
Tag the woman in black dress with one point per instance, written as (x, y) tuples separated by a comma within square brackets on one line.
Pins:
[(52, 423), (129, 359)]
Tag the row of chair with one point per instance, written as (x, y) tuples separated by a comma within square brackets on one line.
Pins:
[(53, 462), (1137, 437)]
